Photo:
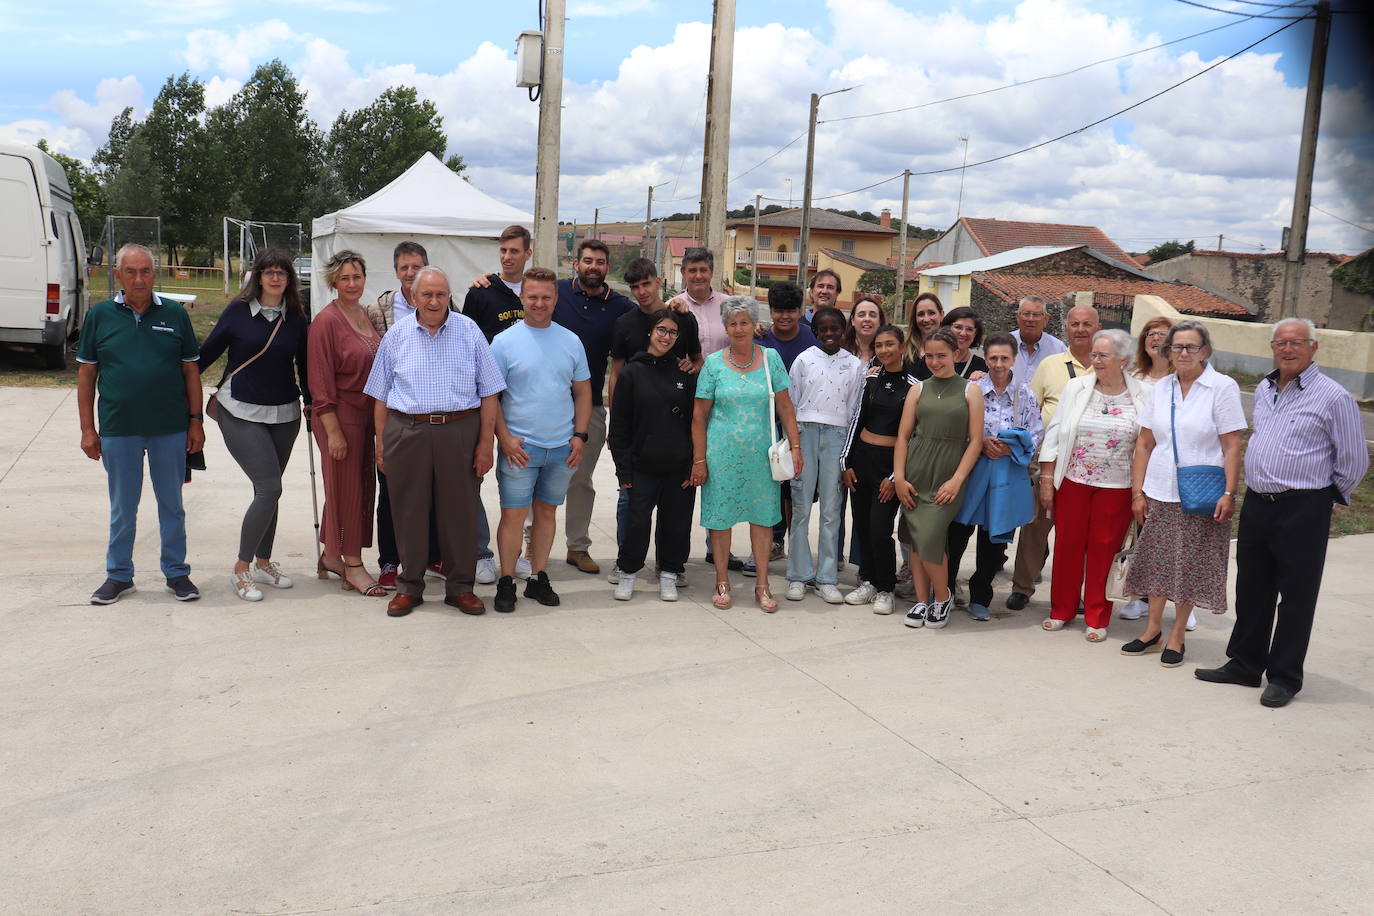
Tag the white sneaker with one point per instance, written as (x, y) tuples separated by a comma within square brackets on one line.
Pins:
[(1133, 609), (523, 570), (244, 587), (1192, 621), (667, 586), (882, 603), (486, 571), (624, 586), (905, 590), (272, 575), (830, 594), (613, 576), (861, 595), (796, 591)]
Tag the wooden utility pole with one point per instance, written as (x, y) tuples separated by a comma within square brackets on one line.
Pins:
[(754, 250), (901, 249), (596, 223), (1296, 253), (715, 163), (547, 151), (648, 224), (804, 241)]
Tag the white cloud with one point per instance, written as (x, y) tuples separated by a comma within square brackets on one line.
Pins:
[(235, 56), (93, 118), (63, 139)]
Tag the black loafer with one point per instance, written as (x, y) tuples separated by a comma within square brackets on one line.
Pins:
[(1141, 647), (1170, 658), (1016, 601), (1275, 696), (1225, 675)]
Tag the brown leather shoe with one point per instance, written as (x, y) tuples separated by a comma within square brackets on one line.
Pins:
[(466, 602), (402, 605), (583, 561)]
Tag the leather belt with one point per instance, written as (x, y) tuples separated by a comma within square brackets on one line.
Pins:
[(1286, 494), (437, 419)]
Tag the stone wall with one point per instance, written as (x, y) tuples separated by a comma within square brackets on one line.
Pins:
[(1078, 263), (1258, 283), (998, 314)]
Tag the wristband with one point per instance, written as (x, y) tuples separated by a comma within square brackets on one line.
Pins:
[(582, 436), (195, 416)]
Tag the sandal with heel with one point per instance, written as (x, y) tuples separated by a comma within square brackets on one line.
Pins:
[(721, 599), (766, 602), (324, 572), (372, 590)]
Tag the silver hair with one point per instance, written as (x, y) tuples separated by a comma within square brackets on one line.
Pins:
[(132, 246), (1036, 299), (734, 305), (1188, 324), (1311, 328), (1122, 343), (425, 271)]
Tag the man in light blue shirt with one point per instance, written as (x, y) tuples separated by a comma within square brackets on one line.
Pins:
[(542, 429), (1032, 343)]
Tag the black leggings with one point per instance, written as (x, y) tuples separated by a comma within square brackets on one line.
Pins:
[(673, 502), (874, 520)]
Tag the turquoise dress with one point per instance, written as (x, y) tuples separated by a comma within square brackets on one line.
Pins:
[(739, 485)]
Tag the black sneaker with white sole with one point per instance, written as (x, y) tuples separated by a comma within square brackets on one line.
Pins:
[(182, 588), (916, 617), (538, 588), (937, 614), (111, 591)]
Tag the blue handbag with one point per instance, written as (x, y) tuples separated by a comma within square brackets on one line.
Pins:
[(1199, 485)]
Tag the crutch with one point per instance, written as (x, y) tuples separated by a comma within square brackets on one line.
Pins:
[(314, 499)]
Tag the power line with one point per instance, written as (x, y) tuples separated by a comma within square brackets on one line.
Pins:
[(1341, 219), (1217, 9), (770, 158)]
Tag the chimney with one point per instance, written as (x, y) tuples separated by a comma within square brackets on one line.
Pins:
[(885, 219)]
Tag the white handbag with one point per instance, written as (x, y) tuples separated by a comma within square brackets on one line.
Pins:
[(1121, 568), (780, 452)]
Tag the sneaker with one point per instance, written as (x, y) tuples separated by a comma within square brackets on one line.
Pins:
[(387, 579), (916, 616), (830, 594), (905, 590), (1192, 621), (750, 569), (861, 595), (839, 565), (523, 570), (937, 615), (270, 574), (244, 586), (111, 590), (625, 586), (1133, 609), (667, 586), (796, 591), (960, 596), (505, 595), (734, 564), (183, 589), (1016, 601), (882, 603), (487, 572), (778, 553), (904, 574), (435, 571), (538, 588), (613, 576), (979, 612)]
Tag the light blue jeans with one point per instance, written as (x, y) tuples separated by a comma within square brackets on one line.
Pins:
[(821, 446), (123, 460)]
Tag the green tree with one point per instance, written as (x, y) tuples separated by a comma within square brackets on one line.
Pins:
[(370, 147), (136, 189), (108, 159), (1167, 250), (178, 145), (879, 282), (88, 194)]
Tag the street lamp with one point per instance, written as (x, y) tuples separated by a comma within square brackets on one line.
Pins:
[(805, 240)]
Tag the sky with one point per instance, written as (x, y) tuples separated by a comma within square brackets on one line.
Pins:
[(1215, 156)]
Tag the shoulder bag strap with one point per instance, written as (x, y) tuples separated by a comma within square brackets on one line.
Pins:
[(1069, 366), (248, 362), (768, 381), (1173, 433)]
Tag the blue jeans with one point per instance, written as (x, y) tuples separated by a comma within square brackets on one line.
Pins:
[(821, 446), (123, 460)]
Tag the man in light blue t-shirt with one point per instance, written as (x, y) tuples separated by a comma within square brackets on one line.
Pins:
[(542, 429)]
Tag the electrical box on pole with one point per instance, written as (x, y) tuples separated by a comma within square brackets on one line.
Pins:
[(529, 58)]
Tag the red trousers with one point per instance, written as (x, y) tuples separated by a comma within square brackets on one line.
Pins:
[(1089, 524)]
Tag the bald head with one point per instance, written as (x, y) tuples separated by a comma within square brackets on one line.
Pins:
[(1080, 324)]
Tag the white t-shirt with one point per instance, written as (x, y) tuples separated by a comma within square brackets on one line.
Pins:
[(826, 387), (515, 287), (1212, 407)]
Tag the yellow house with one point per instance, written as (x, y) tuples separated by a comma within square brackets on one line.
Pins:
[(843, 244)]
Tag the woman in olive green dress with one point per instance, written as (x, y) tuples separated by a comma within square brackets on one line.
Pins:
[(945, 414)]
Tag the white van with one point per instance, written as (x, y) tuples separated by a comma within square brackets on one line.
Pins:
[(42, 254)]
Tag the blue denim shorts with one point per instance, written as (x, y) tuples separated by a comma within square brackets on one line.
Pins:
[(545, 478)]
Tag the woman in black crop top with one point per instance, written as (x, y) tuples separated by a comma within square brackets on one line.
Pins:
[(867, 462)]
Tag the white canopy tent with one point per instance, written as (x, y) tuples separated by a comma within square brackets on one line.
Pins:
[(456, 223)]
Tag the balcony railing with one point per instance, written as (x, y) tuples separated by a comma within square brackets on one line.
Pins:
[(774, 258)]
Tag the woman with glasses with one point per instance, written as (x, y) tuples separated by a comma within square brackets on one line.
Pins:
[(1085, 481), (650, 436), (1194, 418), (265, 331)]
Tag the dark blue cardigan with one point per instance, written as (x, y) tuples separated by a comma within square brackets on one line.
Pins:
[(269, 380)]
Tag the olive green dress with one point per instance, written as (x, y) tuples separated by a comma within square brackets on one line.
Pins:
[(932, 458)]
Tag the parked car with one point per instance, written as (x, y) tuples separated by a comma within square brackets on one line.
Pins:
[(303, 274), (43, 291)]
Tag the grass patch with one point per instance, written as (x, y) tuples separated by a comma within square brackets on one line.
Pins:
[(1246, 380)]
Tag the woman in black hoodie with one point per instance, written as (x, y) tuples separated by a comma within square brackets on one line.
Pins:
[(650, 436)]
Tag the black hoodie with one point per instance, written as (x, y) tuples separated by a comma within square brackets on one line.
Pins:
[(651, 418)]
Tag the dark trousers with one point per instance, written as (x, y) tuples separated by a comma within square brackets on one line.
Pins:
[(672, 537), (1280, 552), (781, 528), (431, 466), (990, 558), (874, 520), (386, 532)]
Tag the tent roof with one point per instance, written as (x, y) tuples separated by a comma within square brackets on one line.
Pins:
[(427, 199)]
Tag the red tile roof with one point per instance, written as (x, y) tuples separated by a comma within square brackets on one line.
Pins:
[(1187, 299), (994, 236)]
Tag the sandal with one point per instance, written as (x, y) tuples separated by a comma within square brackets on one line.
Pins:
[(1095, 634), (767, 603), (721, 599), (1050, 623), (324, 571), (371, 590)]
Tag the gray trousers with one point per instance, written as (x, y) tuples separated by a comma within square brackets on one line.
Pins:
[(262, 450)]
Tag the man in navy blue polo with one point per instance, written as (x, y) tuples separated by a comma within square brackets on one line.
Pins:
[(589, 308)]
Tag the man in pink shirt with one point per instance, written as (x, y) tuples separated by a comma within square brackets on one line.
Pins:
[(698, 269)]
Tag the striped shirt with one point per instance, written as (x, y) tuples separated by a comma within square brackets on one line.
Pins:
[(1028, 359), (1308, 436), (1000, 411), (416, 372)]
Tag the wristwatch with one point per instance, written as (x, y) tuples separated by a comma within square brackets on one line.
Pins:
[(582, 436)]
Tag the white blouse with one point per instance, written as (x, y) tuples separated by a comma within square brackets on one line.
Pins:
[(1212, 407)]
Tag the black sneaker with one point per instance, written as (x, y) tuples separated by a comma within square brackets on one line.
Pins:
[(538, 588), (505, 595), (182, 588), (111, 591), (734, 564), (1016, 601)]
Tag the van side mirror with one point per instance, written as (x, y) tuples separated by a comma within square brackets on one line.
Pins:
[(97, 257)]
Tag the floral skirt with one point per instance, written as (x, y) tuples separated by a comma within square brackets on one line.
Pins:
[(1182, 557)]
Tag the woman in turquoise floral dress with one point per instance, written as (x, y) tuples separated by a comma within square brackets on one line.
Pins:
[(730, 439)]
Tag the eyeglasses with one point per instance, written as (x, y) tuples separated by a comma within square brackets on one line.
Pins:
[(1156, 335), (1186, 348), (1102, 356), (1290, 344), (1031, 315), (666, 332), (275, 273)]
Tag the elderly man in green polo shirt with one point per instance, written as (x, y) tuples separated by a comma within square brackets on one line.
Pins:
[(140, 352)]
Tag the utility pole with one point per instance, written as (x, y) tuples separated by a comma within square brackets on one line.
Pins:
[(901, 245), (715, 163), (959, 207), (1296, 254), (648, 224), (754, 251), (1219, 241), (805, 240), (596, 223), (550, 128)]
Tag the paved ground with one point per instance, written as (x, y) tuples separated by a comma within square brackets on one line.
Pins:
[(308, 754)]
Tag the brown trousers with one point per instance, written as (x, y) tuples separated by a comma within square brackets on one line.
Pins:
[(431, 464), (1031, 541)]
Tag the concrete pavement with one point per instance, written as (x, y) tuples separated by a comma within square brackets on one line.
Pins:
[(307, 754)]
